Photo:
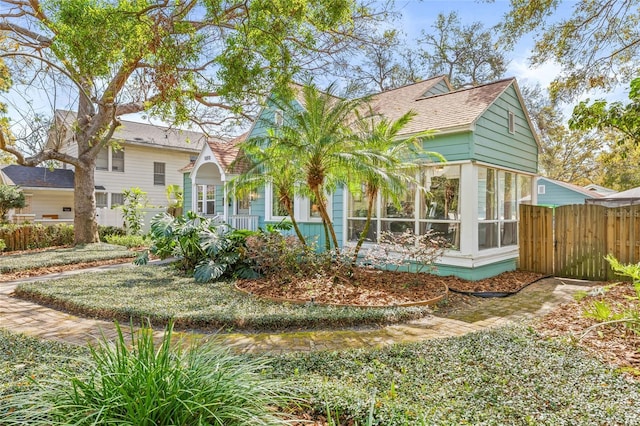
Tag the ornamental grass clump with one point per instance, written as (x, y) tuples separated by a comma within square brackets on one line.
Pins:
[(139, 382)]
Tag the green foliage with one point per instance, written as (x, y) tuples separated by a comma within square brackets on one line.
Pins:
[(211, 251), (38, 236), (11, 197), (163, 293), (596, 47), (135, 200), (3, 245), (506, 376), (106, 231), (129, 241), (271, 253), (139, 382), (175, 196), (62, 256)]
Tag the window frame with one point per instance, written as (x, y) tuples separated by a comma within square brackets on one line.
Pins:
[(159, 178)]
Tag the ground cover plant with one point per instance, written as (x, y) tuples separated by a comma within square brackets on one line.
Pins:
[(500, 377), (140, 382), (162, 293), (62, 256)]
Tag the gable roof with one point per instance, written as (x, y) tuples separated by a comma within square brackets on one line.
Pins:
[(38, 177), (146, 134), (572, 187), (446, 111), (226, 153)]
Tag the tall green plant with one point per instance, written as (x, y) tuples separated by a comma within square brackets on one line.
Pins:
[(139, 382), (269, 164), (393, 171), (135, 200), (211, 251), (11, 197)]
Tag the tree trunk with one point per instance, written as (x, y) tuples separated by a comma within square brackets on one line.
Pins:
[(322, 207), (84, 220), (365, 230), (295, 225)]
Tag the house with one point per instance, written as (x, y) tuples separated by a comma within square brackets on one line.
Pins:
[(143, 155), (630, 197), (554, 193), (486, 136), (48, 193)]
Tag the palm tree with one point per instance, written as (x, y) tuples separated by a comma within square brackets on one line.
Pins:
[(394, 169), (321, 144), (268, 164)]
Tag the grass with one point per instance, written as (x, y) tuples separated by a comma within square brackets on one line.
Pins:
[(140, 382), (60, 257), (507, 376), (162, 294)]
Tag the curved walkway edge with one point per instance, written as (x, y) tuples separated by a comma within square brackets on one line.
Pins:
[(29, 318)]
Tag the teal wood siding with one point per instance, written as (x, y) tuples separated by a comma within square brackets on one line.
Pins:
[(558, 195), (258, 207), (219, 208), (338, 213), (187, 195), (453, 147), (493, 142), (438, 89)]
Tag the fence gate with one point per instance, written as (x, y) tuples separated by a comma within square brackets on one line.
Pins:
[(572, 241)]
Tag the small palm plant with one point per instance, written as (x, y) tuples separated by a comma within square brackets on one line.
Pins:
[(139, 382)]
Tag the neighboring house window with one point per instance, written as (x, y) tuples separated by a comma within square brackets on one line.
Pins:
[(158, 173), (512, 122), (541, 189), (499, 194), (117, 199), (102, 160), (102, 200), (117, 160), (206, 199)]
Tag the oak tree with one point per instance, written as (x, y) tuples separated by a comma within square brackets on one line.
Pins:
[(200, 60)]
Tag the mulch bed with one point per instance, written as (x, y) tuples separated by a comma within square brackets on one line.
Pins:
[(377, 288), (615, 343)]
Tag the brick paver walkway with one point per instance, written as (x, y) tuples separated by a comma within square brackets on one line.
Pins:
[(537, 299)]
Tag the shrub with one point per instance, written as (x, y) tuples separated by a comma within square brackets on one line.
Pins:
[(269, 253), (140, 383), (134, 200), (211, 251), (105, 231), (2, 245), (129, 241), (28, 236), (11, 197)]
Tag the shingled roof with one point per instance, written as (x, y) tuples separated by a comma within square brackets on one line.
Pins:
[(38, 177), (146, 134), (440, 112), (226, 153)]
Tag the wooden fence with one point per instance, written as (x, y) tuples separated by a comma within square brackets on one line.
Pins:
[(572, 241)]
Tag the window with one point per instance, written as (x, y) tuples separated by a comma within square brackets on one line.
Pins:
[(278, 208), (117, 160), (278, 118), (437, 210), (102, 160), (206, 203), (102, 200), (541, 189), (158, 173), (117, 199), (512, 122)]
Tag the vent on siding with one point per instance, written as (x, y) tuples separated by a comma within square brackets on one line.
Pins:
[(541, 189)]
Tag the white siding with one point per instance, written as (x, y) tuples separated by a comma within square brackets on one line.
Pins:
[(138, 172), (50, 202)]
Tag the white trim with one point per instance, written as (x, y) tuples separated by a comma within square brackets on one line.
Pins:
[(506, 169), (268, 205)]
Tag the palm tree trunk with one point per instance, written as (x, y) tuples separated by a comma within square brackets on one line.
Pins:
[(365, 230), (295, 225), (325, 218)]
